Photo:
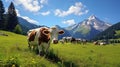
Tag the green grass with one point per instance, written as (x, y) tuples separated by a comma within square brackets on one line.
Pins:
[(89, 55), (14, 51), (15, 46)]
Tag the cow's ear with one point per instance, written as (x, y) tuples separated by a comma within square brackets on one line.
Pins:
[(46, 32), (61, 32)]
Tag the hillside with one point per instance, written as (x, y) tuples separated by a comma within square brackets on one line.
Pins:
[(109, 33), (25, 25), (14, 49)]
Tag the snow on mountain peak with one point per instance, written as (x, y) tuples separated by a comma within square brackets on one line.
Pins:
[(88, 28), (92, 17), (96, 23)]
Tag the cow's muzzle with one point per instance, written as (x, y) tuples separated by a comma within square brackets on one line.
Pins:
[(55, 41)]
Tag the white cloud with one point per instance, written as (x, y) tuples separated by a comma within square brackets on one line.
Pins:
[(26, 18), (77, 9), (45, 13), (31, 5), (17, 11), (43, 1), (69, 22), (30, 20)]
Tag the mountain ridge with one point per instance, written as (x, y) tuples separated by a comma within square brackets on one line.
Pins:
[(88, 28), (25, 25), (109, 33)]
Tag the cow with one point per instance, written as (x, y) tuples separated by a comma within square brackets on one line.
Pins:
[(68, 39), (96, 43), (41, 37), (61, 41), (74, 40), (79, 40), (99, 43), (84, 41)]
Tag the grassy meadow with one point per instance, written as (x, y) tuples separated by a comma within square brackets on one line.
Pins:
[(14, 52), (89, 55), (14, 49)]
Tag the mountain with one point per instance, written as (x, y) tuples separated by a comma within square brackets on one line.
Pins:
[(26, 25), (110, 33), (88, 28)]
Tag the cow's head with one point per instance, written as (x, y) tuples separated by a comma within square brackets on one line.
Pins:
[(44, 34), (54, 32)]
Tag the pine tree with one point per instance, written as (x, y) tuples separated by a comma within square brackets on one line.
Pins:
[(18, 29), (2, 10), (12, 19)]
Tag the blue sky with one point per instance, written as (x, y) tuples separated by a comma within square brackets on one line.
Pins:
[(65, 12)]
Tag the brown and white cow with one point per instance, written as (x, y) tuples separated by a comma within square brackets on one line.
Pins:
[(41, 38), (54, 32)]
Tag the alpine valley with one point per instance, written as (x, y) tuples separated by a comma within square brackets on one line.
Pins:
[(86, 29)]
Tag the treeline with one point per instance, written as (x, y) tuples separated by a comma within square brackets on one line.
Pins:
[(112, 32), (9, 20)]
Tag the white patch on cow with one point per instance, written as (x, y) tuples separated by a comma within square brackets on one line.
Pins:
[(54, 33)]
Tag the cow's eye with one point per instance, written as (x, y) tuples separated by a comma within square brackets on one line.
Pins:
[(47, 32)]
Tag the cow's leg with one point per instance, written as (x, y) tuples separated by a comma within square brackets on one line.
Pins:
[(40, 50), (43, 48), (29, 46), (47, 47)]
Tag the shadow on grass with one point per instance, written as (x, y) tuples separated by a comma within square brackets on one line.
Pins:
[(53, 57)]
